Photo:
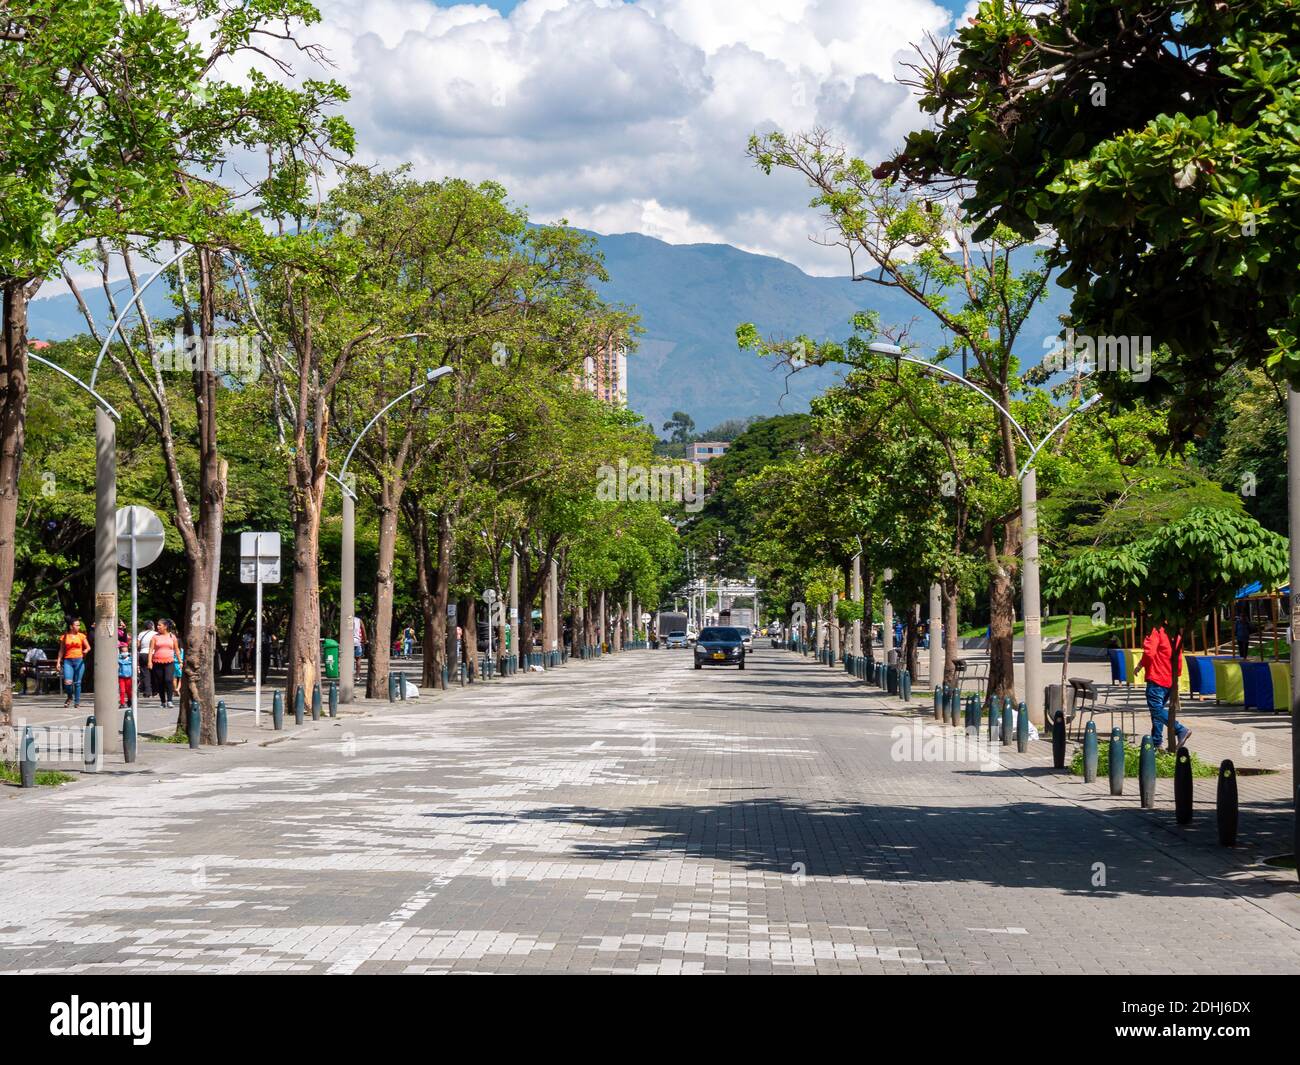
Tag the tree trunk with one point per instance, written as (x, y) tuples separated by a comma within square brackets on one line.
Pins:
[(304, 627), (388, 502), (419, 529), (13, 415), (951, 651), (869, 615), (441, 598), (1002, 613)]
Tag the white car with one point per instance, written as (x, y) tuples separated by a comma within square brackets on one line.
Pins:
[(677, 639), (747, 636)]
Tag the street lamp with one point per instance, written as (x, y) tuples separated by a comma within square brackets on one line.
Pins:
[(1031, 603), (106, 419), (347, 581)]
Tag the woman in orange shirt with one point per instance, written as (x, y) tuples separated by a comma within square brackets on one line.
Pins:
[(162, 661), (73, 646)]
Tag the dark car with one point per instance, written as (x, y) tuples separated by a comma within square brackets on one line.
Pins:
[(720, 647)]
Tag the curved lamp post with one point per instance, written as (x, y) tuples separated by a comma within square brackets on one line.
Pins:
[(1031, 599), (106, 419), (347, 569)]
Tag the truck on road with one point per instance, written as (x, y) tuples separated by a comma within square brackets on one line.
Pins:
[(668, 621)]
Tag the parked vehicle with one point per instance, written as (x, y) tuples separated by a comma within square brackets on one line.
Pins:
[(720, 646)]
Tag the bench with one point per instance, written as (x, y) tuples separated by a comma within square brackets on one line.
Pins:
[(975, 673), (1085, 695)]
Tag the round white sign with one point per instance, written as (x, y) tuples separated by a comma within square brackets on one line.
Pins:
[(141, 527)]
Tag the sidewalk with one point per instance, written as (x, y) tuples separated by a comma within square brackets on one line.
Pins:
[(154, 723), (1258, 744)]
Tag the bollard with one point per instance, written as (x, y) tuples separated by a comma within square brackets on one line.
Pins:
[(315, 701), (392, 687), (938, 700), (1225, 803), (1183, 786), (1022, 728), (1147, 774), (88, 744), (1091, 752), (1116, 757), (128, 735), (277, 710), (1006, 718), (223, 723), (401, 686), (27, 759), (192, 725), (972, 713), (905, 685), (995, 723), (299, 706), (1058, 739), (334, 698)]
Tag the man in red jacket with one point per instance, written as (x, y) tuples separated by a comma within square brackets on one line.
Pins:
[(1157, 664)]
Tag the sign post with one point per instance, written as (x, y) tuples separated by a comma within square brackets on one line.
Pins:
[(490, 598), (259, 563), (140, 541)]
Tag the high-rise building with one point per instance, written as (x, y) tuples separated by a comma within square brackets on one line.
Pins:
[(605, 373)]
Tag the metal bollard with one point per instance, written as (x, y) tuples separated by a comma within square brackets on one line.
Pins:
[(192, 726), (392, 687), (938, 700), (277, 710), (128, 735), (905, 685), (972, 713), (995, 721), (334, 698), (1225, 803), (1116, 757), (1091, 752), (223, 723), (1147, 774), (88, 744), (315, 701), (1058, 739), (1183, 786), (299, 706), (401, 687), (27, 759), (1022, 727)]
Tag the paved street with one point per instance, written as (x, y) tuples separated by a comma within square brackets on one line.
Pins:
[(624, 815)]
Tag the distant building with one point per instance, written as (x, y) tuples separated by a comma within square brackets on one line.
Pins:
[(605, 374), (703, 450)]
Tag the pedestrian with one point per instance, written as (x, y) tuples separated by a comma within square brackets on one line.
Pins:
[(1157, 665), (125, 667), (247, 652), (143, 642), (1241, 629), (358, 645), (73, 647), (408, 641), (162, 661), (178, 669)]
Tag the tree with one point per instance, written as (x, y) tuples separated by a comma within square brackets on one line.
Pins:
[(976, 294), (1156, 141), (682, 426)]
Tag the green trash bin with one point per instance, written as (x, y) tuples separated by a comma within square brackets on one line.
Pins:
[(331, 655)]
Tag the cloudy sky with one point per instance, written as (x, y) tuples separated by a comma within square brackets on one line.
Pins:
[(630, 116)]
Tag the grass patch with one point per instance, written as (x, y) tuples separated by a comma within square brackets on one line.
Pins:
[(1085, 630), (177, 737), (51, 777), (1164, 762)]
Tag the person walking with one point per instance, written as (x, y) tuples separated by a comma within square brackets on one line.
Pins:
[(142, 644), (358, 645), (1157, 665), (178, 669), (408, 641), (247, 653), (73, 648), (162, 661)]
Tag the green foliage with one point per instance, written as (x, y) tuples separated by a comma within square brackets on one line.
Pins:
[(1165, 762)]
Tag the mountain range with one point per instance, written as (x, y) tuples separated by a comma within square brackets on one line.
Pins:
[(690, 298)]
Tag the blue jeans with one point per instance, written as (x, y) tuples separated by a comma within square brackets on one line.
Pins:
[(1158, 704), (407, 647), (73, 669)]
